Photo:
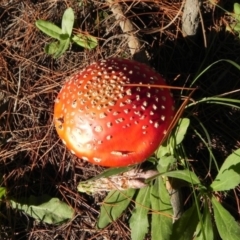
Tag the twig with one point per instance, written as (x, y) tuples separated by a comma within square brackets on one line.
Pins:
[(155, 30), (203, 28), (137, 52), (18, 89)]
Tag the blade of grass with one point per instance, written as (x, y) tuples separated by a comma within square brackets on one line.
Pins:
[(207, 68)]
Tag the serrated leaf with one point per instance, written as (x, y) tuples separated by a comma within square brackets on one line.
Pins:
[(229, 174), (207, 232), (114, 205), (184, 227), (49, 28), (68, 21), (185, 175), (87, 187), (85, 41), (227, 227), (161, 227), (139, 220), (121, 182), (62, 47), (44, 208), (181, 130)]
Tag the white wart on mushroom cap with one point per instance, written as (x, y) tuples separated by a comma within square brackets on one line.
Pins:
[(104, 121)]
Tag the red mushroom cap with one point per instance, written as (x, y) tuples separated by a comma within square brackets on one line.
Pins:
[(106, 122)]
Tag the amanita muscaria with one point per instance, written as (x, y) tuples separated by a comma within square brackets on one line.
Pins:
[(109, 114)]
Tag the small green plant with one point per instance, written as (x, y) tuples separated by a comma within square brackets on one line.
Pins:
[(206, 219), (236, 16), (64, 35), (42, 208), (154, 200)]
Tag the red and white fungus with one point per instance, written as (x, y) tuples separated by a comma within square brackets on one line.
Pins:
[(105, 121)]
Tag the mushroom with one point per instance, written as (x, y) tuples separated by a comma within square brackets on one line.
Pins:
[(109, 113)]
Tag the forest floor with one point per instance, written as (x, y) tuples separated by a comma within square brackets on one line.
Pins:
[(33, 161)]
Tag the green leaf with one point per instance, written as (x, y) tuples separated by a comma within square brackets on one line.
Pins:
[(49, 28), (161, 227), (85, 41), (64, 37), (227, 227), (236, 8), (181, 130), (165, 163), (229, 174), (139, 220), (184, 227), (68, 21), (163, 150), (185, 175), (176, 138), (207, 232), (62, 47), (44, 208), (51, 48), (2, 192), (114, 205), (235, 27)]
